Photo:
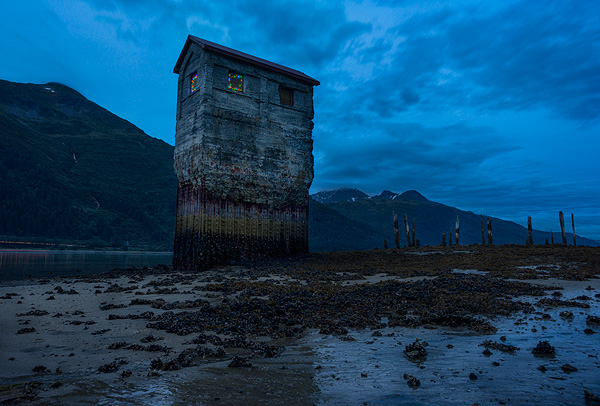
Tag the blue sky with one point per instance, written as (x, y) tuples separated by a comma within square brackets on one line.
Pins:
[(489, 106)]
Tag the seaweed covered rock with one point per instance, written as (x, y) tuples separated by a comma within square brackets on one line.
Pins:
[(416, 351), (544, 349), (239, 361)]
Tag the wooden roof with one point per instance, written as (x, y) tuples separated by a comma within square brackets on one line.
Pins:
[(240, 56)]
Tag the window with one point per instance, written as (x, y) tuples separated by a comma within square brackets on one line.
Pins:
[(236, 81), (193, 82), (286, 95)]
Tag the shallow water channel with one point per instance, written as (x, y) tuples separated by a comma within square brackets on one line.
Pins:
[(23, 264)]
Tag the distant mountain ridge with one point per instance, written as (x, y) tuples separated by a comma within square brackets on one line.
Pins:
[(340, 195), (364, 222), (354, 195)]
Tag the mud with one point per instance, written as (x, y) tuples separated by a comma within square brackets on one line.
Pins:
[(324, 329)]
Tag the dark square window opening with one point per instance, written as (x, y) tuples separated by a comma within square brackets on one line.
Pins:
[(286, 95), (236, 81)]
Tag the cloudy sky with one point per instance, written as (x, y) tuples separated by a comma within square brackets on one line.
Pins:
[(489, 106)]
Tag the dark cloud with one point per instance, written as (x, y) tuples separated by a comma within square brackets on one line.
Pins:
[(300, 32), (489, 106), (529, 55), (401, 154)]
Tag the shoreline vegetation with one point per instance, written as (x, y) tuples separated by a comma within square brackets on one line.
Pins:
[(469, 318)]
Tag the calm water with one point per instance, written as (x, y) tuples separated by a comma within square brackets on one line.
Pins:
[(19, 264)]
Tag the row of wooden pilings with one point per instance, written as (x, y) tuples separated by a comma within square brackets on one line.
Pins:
[(414, 242)]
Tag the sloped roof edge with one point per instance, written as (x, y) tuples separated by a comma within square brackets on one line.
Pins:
[(234, 54)]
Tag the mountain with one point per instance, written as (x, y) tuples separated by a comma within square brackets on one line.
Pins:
[(329, 230), (73, 172), (411, 195), (340, 195), (374, 215)]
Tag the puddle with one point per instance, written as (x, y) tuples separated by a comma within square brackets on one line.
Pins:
[(469, 272)]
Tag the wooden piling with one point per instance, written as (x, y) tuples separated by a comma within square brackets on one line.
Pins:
[(489, 230), (457, 229), (385, 246), (396, 230), (482, 233), (573, 222), (450, 238), (443, 239), (413, 233), (561, 217), (407, 229), (552, 237), (529, 231)]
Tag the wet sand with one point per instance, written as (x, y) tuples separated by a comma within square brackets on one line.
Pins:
[(324, 329)]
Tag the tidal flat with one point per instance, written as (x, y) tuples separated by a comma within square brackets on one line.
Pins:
[(417, 326)]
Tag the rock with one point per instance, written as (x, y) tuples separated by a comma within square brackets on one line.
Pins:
[(567, 368), (592, 320), (239, 361), (589, 331), (590, 398), (583, 297), (26, 330), (126, 373), (542, 369), (473, 376), (40, 369), (416, 351), (411, 381), (566, 314), (499, 346), (156, 364), (487, 352), (150, 339), (107, 368), (543, 348)]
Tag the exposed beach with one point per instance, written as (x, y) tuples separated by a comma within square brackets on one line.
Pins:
[(323, 329)]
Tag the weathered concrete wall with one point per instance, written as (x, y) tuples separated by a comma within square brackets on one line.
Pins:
[(244, 164)]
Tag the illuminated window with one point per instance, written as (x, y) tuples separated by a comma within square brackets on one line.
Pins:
[(193, 82), (236, 82), (286, 95)]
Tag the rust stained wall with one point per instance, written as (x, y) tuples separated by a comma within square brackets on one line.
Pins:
[(244, 164)]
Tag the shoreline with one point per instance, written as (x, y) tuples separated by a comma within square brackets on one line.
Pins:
[(47, 251), (311, 350)]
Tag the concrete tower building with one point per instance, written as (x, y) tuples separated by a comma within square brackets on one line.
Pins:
[(243, 157)]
